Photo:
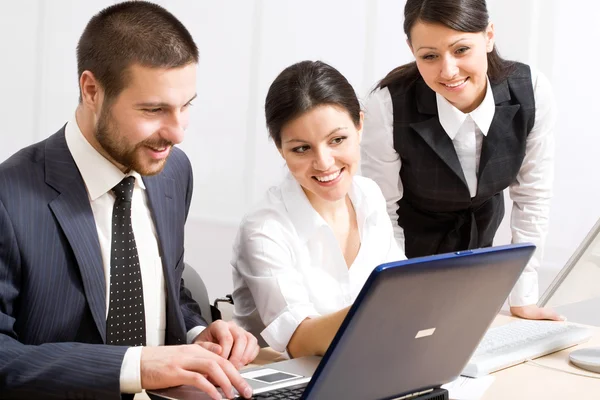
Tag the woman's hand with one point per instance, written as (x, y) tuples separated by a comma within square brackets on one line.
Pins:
[(534, 312)]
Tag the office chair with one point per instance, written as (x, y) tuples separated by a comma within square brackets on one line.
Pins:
[(195, 284), (210, 312)]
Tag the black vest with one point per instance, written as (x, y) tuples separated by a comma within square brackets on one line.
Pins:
[(436, 211)]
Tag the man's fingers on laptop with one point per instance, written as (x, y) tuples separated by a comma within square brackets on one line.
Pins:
[(220, 333), (252, 349), (200, 382), (167, 366), (215, 370), (240, 343), (219, 371), (212, 347), (245, 346), (236, 379)]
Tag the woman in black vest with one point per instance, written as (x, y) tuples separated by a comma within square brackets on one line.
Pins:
[(445, 135)]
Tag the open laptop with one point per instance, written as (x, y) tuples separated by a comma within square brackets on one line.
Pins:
[(413, 327)]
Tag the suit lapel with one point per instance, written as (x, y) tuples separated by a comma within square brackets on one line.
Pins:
[(432, 132), (500, 129), (74, 214)]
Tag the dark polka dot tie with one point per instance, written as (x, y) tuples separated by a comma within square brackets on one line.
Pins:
[(126, 324)]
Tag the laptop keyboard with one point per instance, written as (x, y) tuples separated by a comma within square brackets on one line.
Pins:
[(288, 393)]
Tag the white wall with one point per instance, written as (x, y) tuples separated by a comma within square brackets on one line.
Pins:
[(244, 44)]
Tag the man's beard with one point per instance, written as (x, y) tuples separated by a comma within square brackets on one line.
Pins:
[(130, 157)]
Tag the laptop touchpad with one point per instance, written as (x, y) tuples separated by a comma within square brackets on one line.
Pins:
[(269, 376)]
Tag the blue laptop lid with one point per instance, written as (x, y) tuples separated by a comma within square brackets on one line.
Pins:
[(416, 323)]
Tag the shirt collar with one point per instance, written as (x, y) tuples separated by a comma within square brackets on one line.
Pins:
[(306, 219), (451, 118), (99, 174)]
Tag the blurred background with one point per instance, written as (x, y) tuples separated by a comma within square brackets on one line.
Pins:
[(244, 44)]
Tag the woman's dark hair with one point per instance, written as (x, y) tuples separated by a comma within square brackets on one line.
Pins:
[(302, 87), (460, 15)]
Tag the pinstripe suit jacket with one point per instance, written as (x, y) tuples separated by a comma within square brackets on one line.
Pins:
[(52, 285)]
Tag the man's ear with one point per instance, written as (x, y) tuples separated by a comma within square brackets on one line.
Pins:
[(92, 93)]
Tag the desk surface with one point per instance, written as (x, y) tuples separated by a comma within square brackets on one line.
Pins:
[(523, 381)]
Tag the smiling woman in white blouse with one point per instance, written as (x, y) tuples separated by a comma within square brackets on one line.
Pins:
[(446, 134), (304, 252)]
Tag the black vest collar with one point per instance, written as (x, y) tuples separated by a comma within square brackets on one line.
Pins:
[(434, 135)]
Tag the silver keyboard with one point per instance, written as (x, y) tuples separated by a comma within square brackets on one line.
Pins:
[(518, 341)]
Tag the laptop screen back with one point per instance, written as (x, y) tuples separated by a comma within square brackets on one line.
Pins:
[(416, 323)]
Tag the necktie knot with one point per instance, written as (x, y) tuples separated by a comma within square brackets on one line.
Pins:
[(124, 189)]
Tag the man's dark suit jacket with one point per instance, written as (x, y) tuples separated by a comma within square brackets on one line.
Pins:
[(52, 283)]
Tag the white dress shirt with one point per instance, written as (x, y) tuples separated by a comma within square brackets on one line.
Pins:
[(100, 176), (289, 266), (530, 193)]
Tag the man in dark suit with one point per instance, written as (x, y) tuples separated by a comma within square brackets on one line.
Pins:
[(92, 231)]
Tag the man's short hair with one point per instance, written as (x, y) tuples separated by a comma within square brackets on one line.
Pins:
[(132, 32)]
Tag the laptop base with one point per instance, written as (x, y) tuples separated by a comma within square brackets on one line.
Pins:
[(436, 394)]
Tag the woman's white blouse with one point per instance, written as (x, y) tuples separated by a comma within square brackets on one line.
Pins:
[(288, 265)]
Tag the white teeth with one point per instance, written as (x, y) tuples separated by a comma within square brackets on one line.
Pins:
[(455, 84), (329, 177)]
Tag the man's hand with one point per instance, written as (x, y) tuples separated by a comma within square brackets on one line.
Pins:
[(534, 312), (230, 342), (168, 366)]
